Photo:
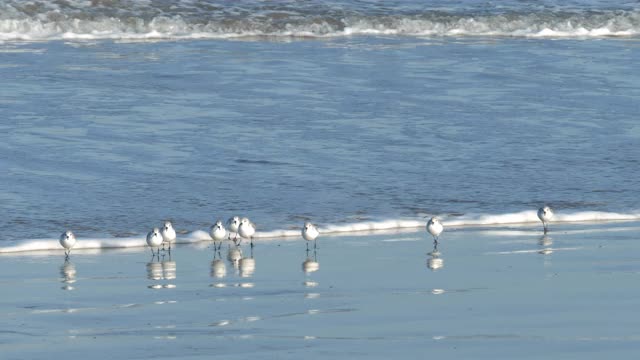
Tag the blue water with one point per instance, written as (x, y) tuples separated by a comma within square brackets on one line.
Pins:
[(109, 135)]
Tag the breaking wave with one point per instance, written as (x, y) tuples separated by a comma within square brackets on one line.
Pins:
[(91, 20)]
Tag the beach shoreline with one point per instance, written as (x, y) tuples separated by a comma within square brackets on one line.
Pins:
[(487, 289)]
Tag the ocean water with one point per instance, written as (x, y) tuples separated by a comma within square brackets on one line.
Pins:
[(116, 115)]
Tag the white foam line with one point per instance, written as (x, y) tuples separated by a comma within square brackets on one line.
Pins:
[(129, 35), (552, 233), (366, 226), (511, 232), (92, 244), (530, 216), (352, 229), (529, 251), (403, 239), (69, 310)]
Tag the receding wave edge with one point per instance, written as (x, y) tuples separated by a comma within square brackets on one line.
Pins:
[(358, 228)]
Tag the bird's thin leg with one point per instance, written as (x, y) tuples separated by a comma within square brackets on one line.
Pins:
[(307, 247), (252, 243), (315, 244)]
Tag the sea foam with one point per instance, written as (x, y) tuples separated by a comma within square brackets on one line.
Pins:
[(198, 237), (148, 23)]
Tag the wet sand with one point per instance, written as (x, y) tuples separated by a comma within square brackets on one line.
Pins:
[(503, 292)]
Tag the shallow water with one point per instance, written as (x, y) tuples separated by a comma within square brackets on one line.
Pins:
[(496, 294), (108, 138)]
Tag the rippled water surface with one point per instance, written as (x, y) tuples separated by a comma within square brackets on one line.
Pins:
[(108, 137)]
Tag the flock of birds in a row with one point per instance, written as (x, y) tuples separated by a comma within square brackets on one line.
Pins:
[(244, 228)]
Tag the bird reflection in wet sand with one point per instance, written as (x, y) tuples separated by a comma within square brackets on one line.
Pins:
[(545, 242), (309, 266), (434, 262), (168, 269), (158, 270), (234, 254), (154, 270), (247, 265), (218, 269), (68, 273)]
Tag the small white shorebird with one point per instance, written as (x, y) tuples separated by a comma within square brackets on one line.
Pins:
[(435, 228), (233, 224), (545, 214), (247, 229), (310, 233), (168, 235), (154, 240), (67, 240), (218, 233)]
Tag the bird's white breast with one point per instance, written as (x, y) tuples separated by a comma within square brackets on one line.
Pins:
[(154, 239), (246, 230), (310, 234), (168, 234), (218, 233), (67, 242), (435, 228)]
